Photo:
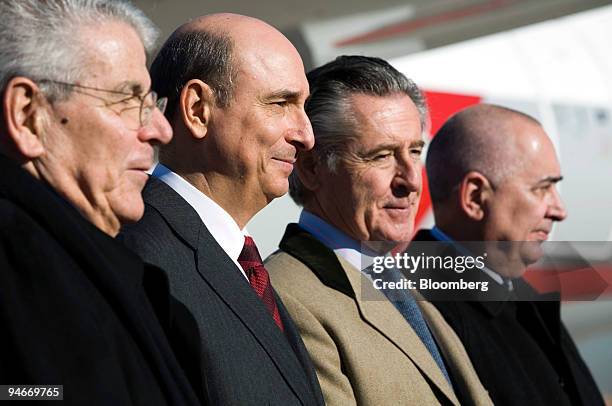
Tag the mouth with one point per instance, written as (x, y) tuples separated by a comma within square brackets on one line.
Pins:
[(398, 211), (140, 170), (287, 160), (141, 173), (541, 235), (285, 163)]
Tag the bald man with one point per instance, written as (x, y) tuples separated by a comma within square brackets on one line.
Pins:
[(492, 176), (236, 89)]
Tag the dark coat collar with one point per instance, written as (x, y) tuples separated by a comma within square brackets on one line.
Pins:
[(492, 307), (523, 294), (181, 217), (91, 247), (320, 259)]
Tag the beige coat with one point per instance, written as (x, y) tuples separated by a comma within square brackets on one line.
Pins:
[(364, 351)]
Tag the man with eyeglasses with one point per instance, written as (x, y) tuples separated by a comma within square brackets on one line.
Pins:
[(77, 131)]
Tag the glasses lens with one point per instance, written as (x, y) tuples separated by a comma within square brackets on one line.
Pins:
[(147, 105), (162, 103)]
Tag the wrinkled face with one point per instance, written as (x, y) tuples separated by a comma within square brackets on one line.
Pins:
[(374, 192), (258, 135), (95, 137), (526, 204)]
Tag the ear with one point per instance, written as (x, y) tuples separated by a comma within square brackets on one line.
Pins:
[(308, 170), (23, 109), (474, 192), (195, 103)]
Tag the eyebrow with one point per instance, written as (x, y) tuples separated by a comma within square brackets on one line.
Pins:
[(284, 94), (130, 87), (382, 147), (550, 179)]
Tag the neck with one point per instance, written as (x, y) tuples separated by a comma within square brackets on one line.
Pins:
[(232, 196), (94, 208), (456, 225)]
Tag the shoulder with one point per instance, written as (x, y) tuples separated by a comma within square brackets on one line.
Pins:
[(152, 230), (303, 291), (290, 276), (152, 238), (22, 237), (151, 223), (12, 216)]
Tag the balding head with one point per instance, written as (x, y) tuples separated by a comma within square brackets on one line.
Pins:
[(484, 138), (212, 48), (493, 173), (236, 88)]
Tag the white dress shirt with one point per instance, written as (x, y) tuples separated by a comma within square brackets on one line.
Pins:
[(220, 224)]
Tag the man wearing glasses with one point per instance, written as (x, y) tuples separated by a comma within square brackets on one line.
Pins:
[(76, 136)]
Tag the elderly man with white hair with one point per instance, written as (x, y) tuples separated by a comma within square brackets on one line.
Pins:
[(77, 131)]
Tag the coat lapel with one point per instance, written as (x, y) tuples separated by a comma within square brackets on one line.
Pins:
[(378, 311), (374, 307), (221, 274)]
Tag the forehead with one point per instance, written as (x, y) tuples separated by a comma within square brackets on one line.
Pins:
[(270, 67), (113, 56), (392, 119), (536, 153)]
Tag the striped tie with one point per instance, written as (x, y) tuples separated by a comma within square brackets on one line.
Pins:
[(253, 266)]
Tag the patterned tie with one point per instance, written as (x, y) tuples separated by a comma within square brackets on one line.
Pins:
[(408, 307), (253, 266)]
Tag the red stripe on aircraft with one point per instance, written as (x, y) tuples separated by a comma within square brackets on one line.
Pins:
[(406, 27)]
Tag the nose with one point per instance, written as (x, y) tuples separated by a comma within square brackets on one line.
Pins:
[(301, 136), (158, 131), (407, 178), (556, 208)]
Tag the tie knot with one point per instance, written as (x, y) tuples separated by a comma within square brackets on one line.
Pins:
[(249, 256)]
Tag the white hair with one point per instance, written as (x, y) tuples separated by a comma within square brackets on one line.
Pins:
[(39, 38)]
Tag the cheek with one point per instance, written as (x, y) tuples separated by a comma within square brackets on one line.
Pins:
[(372, 194)]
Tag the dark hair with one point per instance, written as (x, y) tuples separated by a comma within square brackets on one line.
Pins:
[(193, 55), (329, 105)]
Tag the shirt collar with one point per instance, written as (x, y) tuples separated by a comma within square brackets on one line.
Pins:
[(220, 224), (336, 240), (442, 236)]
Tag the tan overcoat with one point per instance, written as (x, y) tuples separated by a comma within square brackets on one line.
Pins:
[(364, 351)]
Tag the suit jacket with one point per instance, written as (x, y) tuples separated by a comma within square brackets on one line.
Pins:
[(74, 305), (520, 348), (235, 352), (363, 349)]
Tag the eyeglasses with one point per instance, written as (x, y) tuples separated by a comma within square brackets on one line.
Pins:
[(148, 102)]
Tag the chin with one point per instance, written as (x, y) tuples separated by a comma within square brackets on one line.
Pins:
[(278, 189), (129, 210), (393, 236), (531, 252)]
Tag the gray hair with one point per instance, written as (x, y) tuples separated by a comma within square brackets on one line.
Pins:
[(39, 38), (478, 138), (330, 111)]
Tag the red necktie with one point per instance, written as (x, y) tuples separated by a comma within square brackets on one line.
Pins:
[(259, 278)]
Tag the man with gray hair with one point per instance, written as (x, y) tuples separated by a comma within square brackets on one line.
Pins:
[(362, 182), (492, 174), (77, 131)]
